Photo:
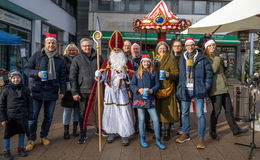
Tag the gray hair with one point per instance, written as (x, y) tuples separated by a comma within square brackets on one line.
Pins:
[(162, 43), (86, 39)]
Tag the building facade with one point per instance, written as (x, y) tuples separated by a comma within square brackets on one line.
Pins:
[(119, 14), (31, 20)]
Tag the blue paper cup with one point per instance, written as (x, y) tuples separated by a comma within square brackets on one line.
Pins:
[(146, 93), (44, 75), (162, 75)]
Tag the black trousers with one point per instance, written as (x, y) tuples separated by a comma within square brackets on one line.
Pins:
[(217, 102), (82, 109)]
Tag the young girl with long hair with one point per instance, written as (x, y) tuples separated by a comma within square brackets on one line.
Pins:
[(144, 85)]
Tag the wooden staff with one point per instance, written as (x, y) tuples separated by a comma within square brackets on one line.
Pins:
[(97, 35)]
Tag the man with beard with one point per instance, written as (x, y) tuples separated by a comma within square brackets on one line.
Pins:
[(116, 72)]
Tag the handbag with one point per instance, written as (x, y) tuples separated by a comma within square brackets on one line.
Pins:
[(163, 93)]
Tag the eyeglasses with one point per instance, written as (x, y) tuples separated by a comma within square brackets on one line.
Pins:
[(85, 46)]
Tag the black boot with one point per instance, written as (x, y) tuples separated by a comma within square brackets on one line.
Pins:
[(167, 132), (8, 155), (22, 152), (75, 129), (66, 132), (82, 137)]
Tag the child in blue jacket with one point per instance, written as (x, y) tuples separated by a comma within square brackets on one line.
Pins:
[(144, 85)]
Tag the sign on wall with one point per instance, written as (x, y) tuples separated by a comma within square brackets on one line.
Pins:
[(15, 19)]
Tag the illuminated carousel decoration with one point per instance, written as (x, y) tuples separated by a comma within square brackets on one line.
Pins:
[(161, 20)]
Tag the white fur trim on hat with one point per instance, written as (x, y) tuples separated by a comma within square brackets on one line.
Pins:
[(209, 42), (189, 41), (146, 59), (50, 38)]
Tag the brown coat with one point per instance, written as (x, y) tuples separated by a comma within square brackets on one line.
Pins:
[(167, 107)]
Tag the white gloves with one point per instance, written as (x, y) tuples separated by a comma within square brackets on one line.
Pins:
[(98, 73)]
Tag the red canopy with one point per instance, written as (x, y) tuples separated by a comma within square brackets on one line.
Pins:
[(161, 19)]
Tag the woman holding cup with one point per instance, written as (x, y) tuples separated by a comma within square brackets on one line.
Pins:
[(144, 85), (167, 102)]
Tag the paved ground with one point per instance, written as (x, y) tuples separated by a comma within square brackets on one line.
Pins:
[(61, 149)]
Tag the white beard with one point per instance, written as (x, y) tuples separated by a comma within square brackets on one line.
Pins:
[(118, 61)]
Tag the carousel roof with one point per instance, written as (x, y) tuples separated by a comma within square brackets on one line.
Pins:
[(161, 19)]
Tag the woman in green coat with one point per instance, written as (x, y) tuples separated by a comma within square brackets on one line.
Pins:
[(219, 93), (166, 104)]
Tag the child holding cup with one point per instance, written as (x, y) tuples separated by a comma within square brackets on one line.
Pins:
[(144, 85)]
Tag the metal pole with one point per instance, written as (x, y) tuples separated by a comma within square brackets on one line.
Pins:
[(97, 35), (251, 58)]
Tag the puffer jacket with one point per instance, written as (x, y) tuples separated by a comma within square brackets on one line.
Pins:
[(202, 78)]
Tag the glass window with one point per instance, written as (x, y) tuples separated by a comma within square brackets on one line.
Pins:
[(200, 7), (174, 7), (149, 5), (134, 5), (25, 35), (119, 5), (213, 6), (185, 7), (104, 5)]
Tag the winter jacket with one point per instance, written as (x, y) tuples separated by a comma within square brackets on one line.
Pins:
[(67, 100), (202, 78), (46, 90), (219, 84), (82, 73), (148, 80), (15, 104)]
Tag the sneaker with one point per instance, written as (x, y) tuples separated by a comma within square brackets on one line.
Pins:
[(110, 138), (44, 141), (125, 141), (103, 133), (240, 132), (7, 155), (183, 138), (201, 144), (30, 145), (22, 152)]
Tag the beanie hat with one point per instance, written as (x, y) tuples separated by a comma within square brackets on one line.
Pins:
[(189, 40), (209, 42), (14, 73)]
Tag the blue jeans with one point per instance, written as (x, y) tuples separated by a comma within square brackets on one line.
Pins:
[(199, 102), (20, 142), (49, 107), (141, 119), (67, 115)]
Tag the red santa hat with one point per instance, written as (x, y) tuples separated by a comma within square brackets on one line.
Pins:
[(146, 57), (50, 36), (209, 42), (189, 40)]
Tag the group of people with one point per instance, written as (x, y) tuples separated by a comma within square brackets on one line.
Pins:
[(137, 88)]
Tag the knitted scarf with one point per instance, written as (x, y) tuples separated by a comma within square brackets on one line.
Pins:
[(190, 60), (51, 64)]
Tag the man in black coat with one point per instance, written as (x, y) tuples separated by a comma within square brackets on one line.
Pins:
[(46, 89), (82, 74)]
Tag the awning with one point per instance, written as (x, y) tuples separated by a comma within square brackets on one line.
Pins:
[(237, 15), (9, 39), (9, 6), (132, 36)]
